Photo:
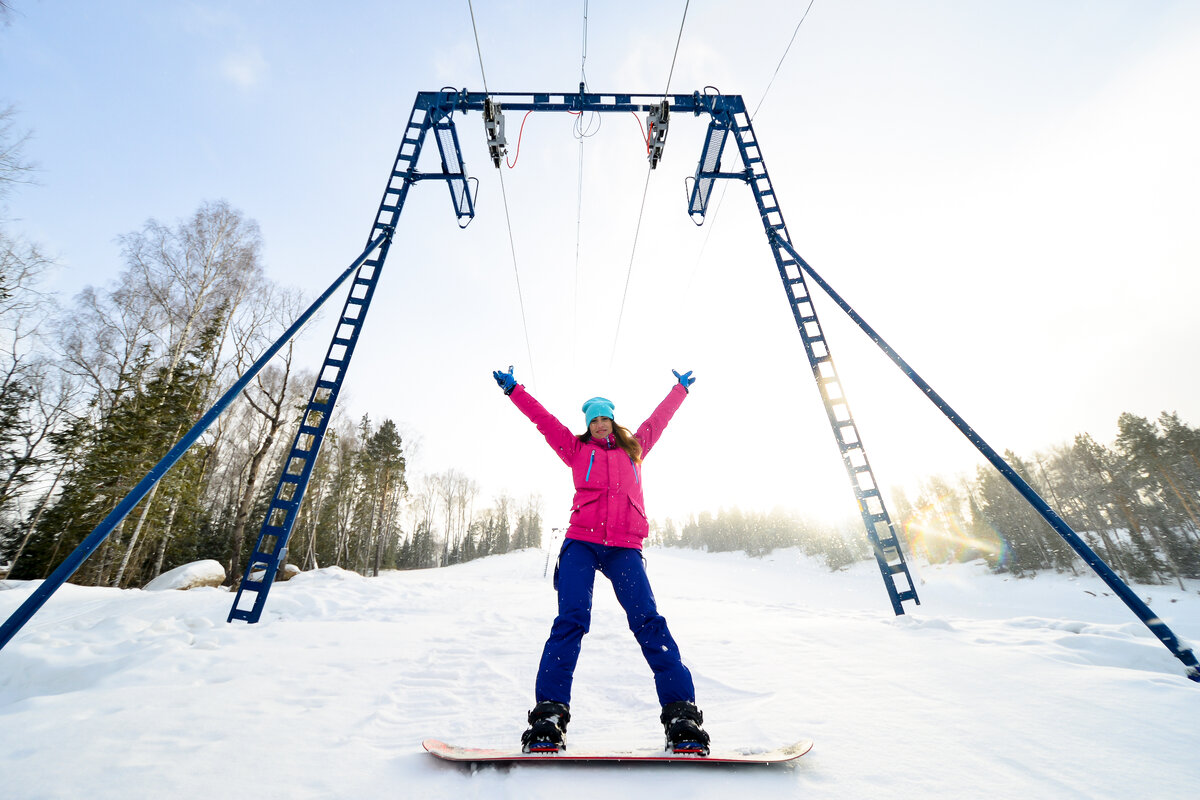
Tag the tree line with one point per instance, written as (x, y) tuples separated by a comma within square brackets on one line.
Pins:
[(95, 391), (1135, 502), (758, 533)]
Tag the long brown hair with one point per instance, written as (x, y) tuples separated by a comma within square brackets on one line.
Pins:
[(625, 440)]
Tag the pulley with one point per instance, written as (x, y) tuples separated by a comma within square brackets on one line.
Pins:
[(656, 131), (493, 125)]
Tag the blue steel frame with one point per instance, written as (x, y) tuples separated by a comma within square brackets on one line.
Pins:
[(436, 110), (270, 549)]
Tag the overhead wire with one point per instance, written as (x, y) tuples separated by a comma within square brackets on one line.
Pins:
[(578, 238), (580, 134), (478, 50), (582, 130), (642, 208), (512, 246), (712, 218), (786, 50), (675, 55)]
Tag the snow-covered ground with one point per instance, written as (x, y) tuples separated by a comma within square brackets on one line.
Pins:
[(1044, 688)]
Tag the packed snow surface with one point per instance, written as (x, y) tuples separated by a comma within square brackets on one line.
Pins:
[(992, 688)]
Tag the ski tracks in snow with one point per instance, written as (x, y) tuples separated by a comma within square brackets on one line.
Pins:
[(1037, 688)]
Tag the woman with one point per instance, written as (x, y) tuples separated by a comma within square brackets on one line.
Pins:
[(608, 525)]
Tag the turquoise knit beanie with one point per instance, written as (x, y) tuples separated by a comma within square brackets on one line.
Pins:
[(597, 407)]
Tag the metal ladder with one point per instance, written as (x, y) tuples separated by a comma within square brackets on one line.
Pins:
[(880, 529), (270, 550)]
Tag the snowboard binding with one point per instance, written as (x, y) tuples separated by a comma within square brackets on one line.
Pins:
[(681, 723), (547, 728)]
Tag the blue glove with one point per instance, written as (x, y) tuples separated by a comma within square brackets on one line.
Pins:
[(685, 380), (505, 380)]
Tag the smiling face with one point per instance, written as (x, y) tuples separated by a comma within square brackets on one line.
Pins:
[(600, 428)]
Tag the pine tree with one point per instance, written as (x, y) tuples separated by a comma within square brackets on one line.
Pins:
[(1014, 520), (1121, 505), (147, 416), (383, 467), (1141, 449)]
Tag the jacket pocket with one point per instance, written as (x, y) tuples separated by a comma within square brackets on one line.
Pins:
[(641, 512), (637, 524), (585, 511)]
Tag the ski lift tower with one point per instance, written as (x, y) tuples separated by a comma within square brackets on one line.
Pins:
[(728, 123), (435, 111)]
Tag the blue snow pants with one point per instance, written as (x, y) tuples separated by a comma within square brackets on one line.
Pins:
[(575, 575)]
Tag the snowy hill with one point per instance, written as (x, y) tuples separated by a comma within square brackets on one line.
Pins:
[(1044, 688)]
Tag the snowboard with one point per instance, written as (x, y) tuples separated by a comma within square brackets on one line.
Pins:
[(477, 755)]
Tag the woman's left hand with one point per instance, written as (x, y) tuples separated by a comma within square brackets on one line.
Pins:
[(685, 380)]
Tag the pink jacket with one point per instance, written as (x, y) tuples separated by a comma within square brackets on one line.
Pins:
[(608, 507)]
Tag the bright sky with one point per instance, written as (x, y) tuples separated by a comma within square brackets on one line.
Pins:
[(1005, 191)]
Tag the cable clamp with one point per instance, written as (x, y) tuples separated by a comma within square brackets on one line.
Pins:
[(656, 131), (493, 124)]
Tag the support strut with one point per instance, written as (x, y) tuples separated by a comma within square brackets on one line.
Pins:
[(102, 531), (1060, 526)]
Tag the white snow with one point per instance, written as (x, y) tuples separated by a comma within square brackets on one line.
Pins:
[(993, 688), (208, 572)]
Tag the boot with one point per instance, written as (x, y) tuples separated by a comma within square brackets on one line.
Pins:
[(681, 723), (547, 728)]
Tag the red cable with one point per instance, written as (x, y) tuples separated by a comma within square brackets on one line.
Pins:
[(520, 133), (645, 135)]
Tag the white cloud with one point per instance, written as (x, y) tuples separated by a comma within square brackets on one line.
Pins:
[(245, 69)]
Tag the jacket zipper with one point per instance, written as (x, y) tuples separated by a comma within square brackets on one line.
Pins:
[(636, 478), (591, 459)]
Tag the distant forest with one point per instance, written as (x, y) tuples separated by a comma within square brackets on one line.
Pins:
[(758, 533), (1135, 502), (94, 394)]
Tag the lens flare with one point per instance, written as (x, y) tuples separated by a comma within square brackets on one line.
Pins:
[(940, 530)]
